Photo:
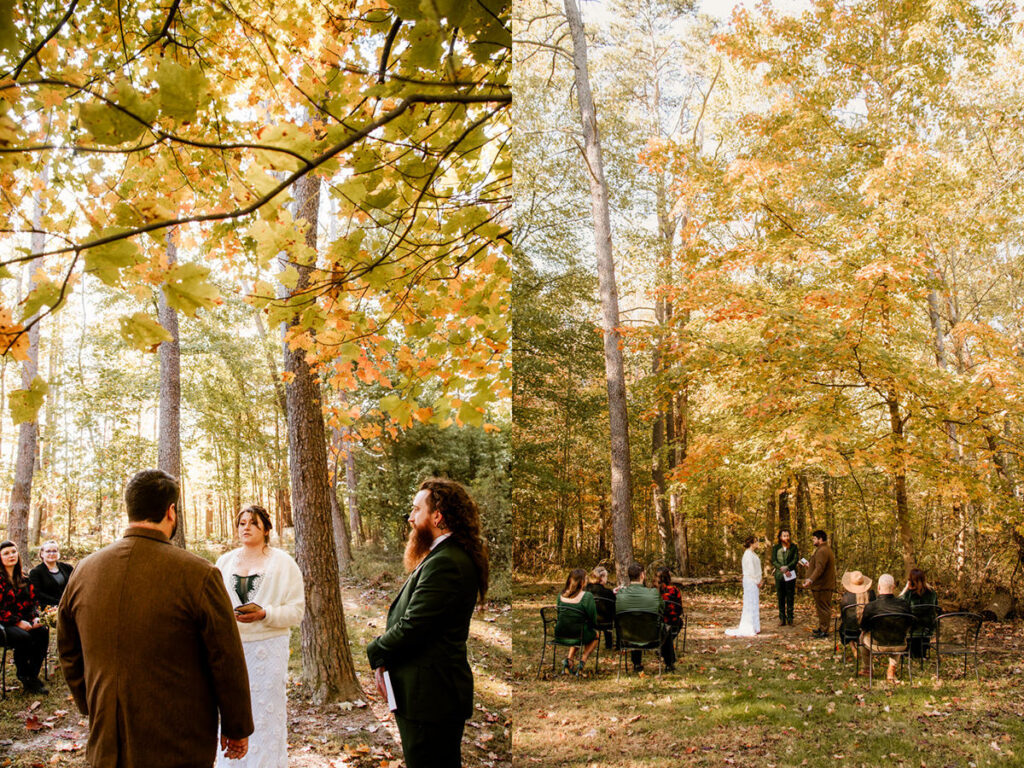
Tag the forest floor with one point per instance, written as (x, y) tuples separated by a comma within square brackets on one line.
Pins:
[(776, 700), (38, 732)]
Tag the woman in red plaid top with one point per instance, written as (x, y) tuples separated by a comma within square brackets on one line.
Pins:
[(672, 615), (20, 620)]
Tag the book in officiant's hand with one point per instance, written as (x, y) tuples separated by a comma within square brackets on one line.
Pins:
[(249, 608)]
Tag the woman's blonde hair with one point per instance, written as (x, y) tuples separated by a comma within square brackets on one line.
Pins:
[(597, 574)]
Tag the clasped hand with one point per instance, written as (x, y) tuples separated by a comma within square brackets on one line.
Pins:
[(234, 749), (26, 626)]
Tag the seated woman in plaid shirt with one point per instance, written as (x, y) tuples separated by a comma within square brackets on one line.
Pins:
[(672, 615)]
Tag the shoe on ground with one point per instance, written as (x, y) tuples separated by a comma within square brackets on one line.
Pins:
[(34, 685)]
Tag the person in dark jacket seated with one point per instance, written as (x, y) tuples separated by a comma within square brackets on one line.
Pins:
[(887, 604), (577, 619), (19, 615), (51, 576), (597, 585), (918, 593)]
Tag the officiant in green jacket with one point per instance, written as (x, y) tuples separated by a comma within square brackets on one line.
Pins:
[(422, 655), (785, 556)]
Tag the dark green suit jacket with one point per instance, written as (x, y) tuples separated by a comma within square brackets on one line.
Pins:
[(789, 559), (424, 647)]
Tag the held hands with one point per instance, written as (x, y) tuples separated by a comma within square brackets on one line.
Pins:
[(234, 749), (25, 625), (249, 618)]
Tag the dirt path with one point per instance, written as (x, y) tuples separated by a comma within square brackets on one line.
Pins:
[(47, 731)]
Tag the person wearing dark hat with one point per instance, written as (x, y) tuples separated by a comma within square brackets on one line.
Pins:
[(821, 580), (856, 591), (785, 556)]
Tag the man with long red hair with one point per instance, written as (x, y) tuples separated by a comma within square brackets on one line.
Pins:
[(420, 662)]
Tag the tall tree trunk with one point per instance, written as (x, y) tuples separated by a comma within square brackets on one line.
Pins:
[(327, 666), (896, 423), (355, 521), (658, 449), (622, 497), (804, 506), (24, 464), (784, 521), (169, 438), (342, 540), (770, 521), (677, 436)]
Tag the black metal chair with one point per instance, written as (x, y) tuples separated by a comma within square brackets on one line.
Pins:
[(549, 617), (605, 623), (891, 631), (847, 630), (956, 634), (925, 616), (639, 631)]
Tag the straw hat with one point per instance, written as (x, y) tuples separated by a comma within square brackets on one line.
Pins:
[(856, 582)]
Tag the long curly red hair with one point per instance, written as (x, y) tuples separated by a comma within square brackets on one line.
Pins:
[(463, 520)]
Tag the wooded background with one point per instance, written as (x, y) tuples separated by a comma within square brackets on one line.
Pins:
[(817, 234)]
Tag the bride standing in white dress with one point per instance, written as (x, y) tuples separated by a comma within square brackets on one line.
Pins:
[(750, 620), (265, 587)]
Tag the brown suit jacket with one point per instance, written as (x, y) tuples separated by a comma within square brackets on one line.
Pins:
[(822, 569), (150, 650)]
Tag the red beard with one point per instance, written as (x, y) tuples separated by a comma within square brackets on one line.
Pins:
[(416, 547)]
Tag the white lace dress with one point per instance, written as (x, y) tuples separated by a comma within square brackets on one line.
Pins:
[(750, 619), (267, 662)]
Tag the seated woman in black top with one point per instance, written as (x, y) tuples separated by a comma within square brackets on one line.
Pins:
[(924, 602), (50, 577), (604, 597), (856, 591), (577, 618), (19, 617)]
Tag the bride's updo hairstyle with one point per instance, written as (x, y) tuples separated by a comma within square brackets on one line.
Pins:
[(260, 514)]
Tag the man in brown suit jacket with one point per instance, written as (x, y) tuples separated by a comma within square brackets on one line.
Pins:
[(821, 580), (149, 646)]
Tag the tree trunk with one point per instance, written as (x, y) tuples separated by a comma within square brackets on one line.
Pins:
[(677, 434), (24, 464), (327, 667), (804, 505), (622, 525), (342, 540), (770, 523), (355, 521), (661, 512), (896, 423), (169, 437), (784, 521)]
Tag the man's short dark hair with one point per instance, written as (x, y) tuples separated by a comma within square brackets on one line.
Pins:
[(820, 534), (634, 571), (148, 495)]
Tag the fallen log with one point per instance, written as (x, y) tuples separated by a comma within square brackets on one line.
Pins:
[(700, 581)]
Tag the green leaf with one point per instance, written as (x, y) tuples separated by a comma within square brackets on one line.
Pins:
[(110, 125), (471, 416), (143, 332), (46, 293), (182, 91), (25, 403), (188, 289), (106, 261)]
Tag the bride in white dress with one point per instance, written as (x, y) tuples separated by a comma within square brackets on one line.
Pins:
[(750, 620), (265, 587)]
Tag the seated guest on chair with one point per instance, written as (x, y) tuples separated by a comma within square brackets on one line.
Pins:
[(636, 597), (573, 624), (856, 591), (597, 585), (19, 617), (51, 576), (671, 614), (917, 592), (886, 604)]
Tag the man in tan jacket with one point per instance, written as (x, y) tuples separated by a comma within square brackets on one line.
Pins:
[(821, 580), (149, 646)]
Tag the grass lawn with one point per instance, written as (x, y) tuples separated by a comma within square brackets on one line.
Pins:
[(48, 731), (776, 700)]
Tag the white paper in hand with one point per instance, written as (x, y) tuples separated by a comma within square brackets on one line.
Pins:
[(390, 691), (803, 561), (789, 575)]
